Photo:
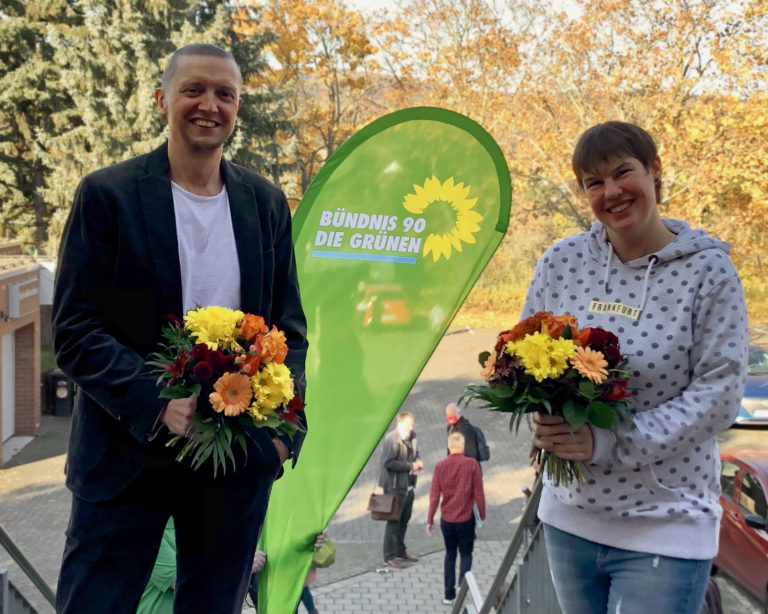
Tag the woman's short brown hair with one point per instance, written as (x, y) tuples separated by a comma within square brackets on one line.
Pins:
[(602, 142)]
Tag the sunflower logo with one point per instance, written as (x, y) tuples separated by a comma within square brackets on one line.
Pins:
[(450, 215)]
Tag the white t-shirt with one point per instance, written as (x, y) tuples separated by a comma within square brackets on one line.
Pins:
[(210, 271)]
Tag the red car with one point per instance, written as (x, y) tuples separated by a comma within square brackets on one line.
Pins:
[(743, 553)]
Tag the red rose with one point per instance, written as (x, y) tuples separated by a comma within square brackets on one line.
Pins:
[(612, 355), (289, 413), (599, 338), (618, 391)]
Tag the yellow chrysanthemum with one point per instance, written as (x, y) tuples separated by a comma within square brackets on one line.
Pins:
[(272, 387), (591, 364), (542, 356), (214, 326)]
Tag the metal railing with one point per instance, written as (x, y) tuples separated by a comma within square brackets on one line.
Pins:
[(11, 600), (529, 589), (18, 556)]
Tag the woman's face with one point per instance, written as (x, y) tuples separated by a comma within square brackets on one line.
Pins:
[(622, 194)]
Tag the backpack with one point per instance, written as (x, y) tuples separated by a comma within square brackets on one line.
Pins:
[(483, 451)]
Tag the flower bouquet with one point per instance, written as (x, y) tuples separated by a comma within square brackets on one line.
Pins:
[(546, 364), (235, 364)]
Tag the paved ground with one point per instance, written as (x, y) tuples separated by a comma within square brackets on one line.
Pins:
[(34, 505)]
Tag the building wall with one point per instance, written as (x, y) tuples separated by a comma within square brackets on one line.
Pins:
[(10, 247), (22, 317)]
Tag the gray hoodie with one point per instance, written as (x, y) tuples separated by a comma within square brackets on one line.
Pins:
[(680, 318)]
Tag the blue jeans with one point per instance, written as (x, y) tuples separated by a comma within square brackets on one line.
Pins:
[(457, 536), (253, 592), (591, 578)]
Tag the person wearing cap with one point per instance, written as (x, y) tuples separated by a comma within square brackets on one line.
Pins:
[(459, 424)]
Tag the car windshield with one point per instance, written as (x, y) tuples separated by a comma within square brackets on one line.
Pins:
[(758, 361)]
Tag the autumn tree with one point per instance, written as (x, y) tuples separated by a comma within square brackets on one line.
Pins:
[(321, 59), (671, 68), (463, 55)]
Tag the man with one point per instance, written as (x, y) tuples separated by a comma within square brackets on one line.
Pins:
[(148, 237), (459, 424), (458, 481), (400, 463)]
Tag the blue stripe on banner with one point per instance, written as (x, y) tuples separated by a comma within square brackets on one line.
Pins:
[(374, 257)]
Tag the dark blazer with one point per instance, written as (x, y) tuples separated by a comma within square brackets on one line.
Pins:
[(118, 278), (464, 427)]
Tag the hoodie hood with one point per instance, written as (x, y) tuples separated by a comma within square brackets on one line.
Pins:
[(688, 241)]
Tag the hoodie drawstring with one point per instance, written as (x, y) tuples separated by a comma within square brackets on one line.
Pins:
[(607, 275), (652, 260)]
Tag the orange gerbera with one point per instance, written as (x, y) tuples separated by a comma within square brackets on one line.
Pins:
[(591, 364), (232, 394)]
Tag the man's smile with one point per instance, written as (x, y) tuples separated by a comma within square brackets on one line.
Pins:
[(206, 123)]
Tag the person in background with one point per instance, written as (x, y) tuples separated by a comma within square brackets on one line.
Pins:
[(457, 486), (400, 464), (260, 560), (159, 592), (157, 597), (638, 534), (459, 424), (146, 238)]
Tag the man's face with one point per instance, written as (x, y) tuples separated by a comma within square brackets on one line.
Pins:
[(405, 428), (201, 102)]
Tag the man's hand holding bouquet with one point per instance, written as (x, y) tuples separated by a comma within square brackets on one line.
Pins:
[(236, 366), (546, 364)]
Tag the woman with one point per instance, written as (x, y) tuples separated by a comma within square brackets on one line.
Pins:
[(638, 534)]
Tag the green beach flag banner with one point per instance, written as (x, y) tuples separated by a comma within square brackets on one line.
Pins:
[(390, 238)]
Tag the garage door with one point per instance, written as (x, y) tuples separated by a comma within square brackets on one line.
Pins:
[(9, 387)]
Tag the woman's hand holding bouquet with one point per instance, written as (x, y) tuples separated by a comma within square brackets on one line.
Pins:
[(572, 378)]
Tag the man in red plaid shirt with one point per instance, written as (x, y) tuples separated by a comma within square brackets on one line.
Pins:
[(459, 481)]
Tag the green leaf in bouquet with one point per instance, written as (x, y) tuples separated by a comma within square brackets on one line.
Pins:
[(537, 395), (575, 414), (179, 392), (228, 449), (600, 414), (500, 398), (240, 439), (272, 422), (567, 332), (516, 419), (623, 411), (588, 389), (483, 357)]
